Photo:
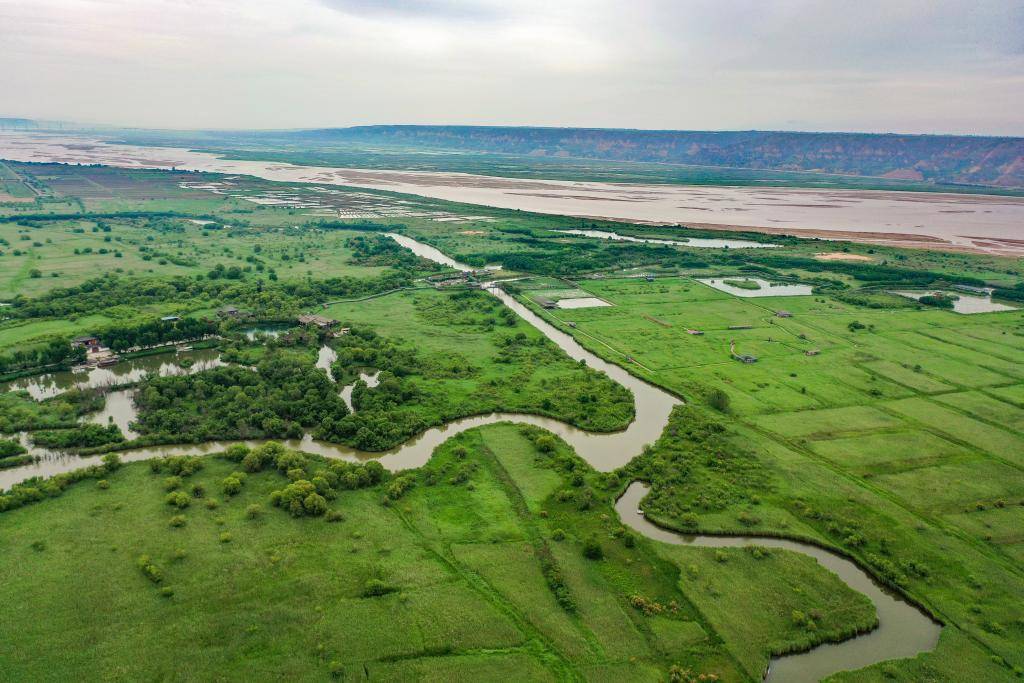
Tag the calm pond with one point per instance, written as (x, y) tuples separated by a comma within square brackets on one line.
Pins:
[(696, 242), (272, 331), (965, 303), (764, 288), (127, 371)]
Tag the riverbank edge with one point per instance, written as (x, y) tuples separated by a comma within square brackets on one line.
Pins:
[(911, 599)]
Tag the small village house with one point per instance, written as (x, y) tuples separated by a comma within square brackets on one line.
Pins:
[(545, 302), (313, 321), (87, 341)]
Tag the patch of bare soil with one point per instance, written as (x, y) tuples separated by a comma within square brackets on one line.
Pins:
[(841, 256)]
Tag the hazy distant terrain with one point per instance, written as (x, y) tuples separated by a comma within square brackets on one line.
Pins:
[(938, 158), (943, 163)]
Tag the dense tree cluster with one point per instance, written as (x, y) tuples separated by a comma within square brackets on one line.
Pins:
[(312, 482), (84, 436), (937, 300), (55, 353), (363, 347), (264, 299), (563, 256), (281, 399), (9, 447), (380, 250), (156, 332), (12, 454), (18, 412)]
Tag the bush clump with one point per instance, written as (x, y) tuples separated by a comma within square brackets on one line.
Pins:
[(232, 484), (300, 498), (177, 465), (719, 400), (375, 587), (178, 499), (149, 570)]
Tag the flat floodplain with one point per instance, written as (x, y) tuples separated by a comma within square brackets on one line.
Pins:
[(852, 418), (923, 408)]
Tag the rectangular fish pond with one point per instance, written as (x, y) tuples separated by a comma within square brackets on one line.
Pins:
[(962, 303), (755, 286)]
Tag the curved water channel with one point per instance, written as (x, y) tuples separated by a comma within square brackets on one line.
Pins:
[(903, 630)]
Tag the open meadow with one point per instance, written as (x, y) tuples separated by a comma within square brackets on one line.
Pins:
[(894, 434), (881, 428), (477, 571)]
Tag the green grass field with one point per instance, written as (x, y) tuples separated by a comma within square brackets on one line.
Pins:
[(906, 430), (891, 433), (469, 365), (65, 257), (272, 595)]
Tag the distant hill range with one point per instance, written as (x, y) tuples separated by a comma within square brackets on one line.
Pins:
[(969, 160)]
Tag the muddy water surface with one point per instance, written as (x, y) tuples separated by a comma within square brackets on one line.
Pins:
[(127, 371), (928, 219)]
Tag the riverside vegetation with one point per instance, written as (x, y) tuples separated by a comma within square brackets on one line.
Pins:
[(871, 424)]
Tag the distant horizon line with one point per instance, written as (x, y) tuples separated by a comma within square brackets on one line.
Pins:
[(45, 125)]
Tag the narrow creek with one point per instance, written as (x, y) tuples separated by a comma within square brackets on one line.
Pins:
[(903, 630)]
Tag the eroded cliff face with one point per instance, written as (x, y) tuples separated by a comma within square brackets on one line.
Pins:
[(936, 158)]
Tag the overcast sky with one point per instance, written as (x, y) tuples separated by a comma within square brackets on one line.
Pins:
[(859, 65)]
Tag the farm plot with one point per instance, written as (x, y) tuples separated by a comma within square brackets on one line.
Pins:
[(977, 481), (823, 424), (962, 428), (889, 452), (987, 409)]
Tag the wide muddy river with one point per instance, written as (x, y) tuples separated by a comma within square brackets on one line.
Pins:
[(983, 223), (903, 630)]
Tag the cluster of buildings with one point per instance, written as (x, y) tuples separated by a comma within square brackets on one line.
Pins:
[(96, 355), (322, 323), (465, 277)]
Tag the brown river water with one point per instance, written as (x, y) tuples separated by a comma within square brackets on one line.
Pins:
[(903, 630), (982, 223)]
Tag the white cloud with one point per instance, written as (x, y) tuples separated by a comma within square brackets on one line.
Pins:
[(907, 65)]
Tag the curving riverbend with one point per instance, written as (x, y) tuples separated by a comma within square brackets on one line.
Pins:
[(903, 630), (604, 452)]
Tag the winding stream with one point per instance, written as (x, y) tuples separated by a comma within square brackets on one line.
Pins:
[(903, 630)]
